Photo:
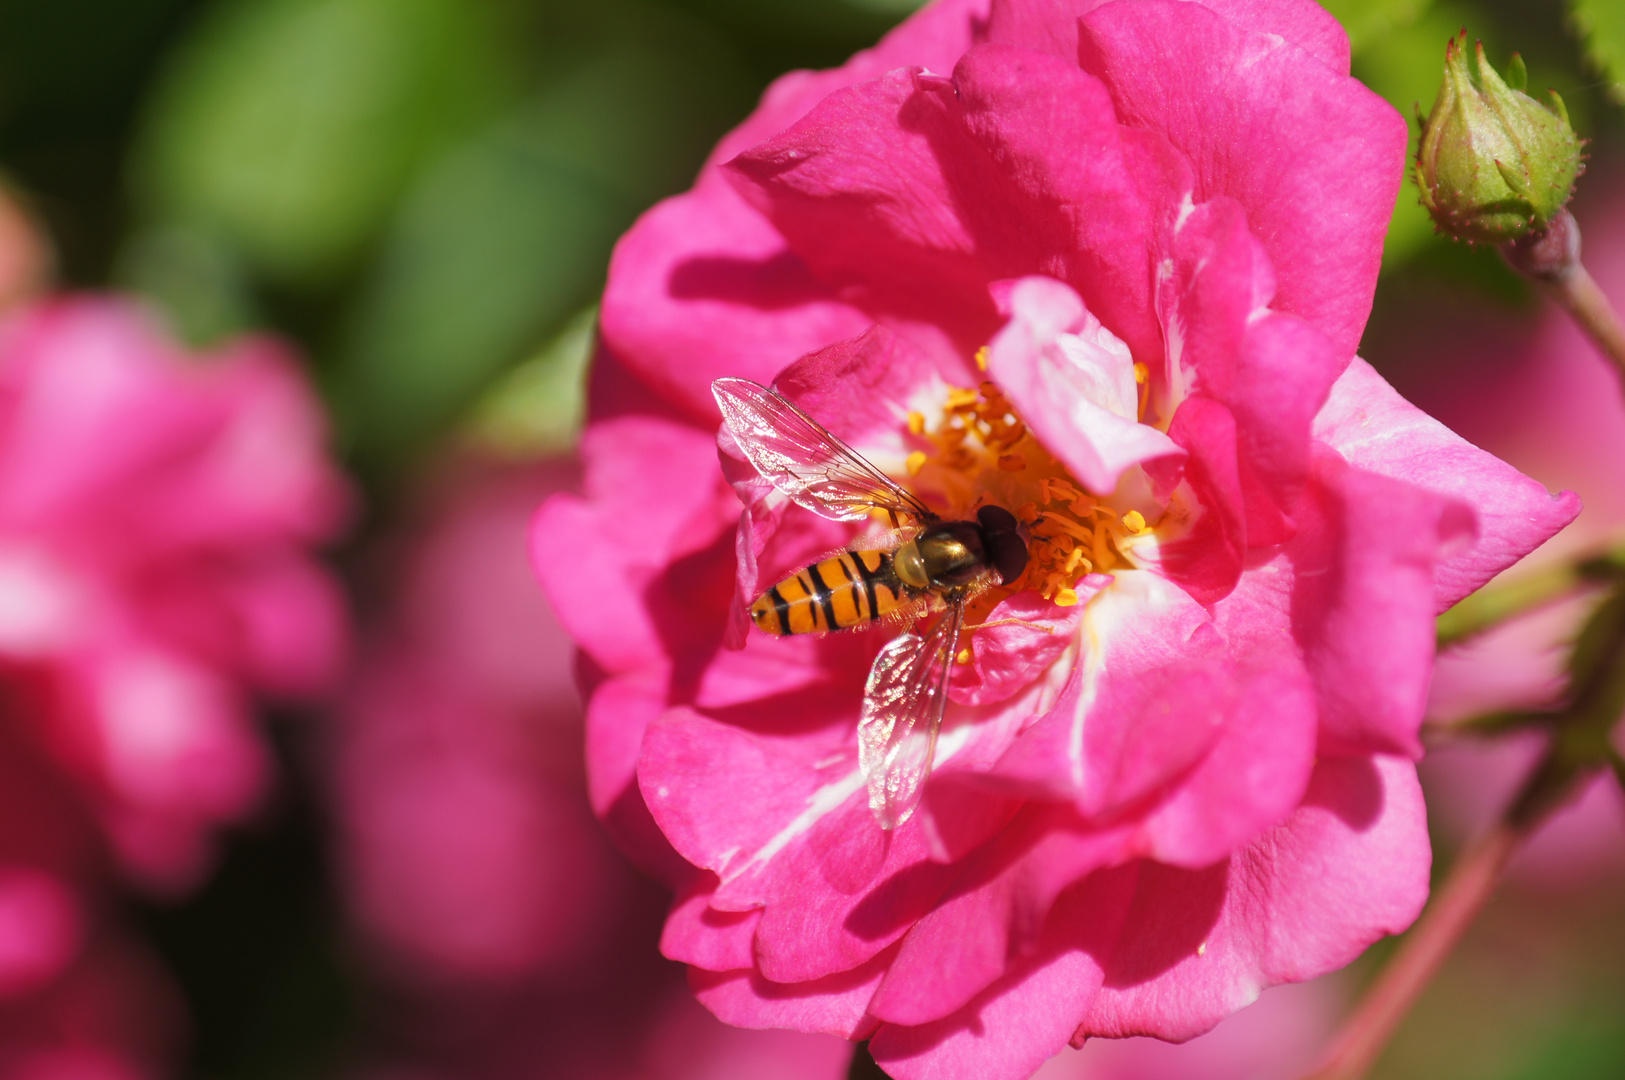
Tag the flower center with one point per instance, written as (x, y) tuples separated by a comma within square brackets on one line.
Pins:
[(982, 452)]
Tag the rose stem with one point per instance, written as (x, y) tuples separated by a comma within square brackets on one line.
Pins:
[(1471, 882), (1551, 259), (1582, 299)]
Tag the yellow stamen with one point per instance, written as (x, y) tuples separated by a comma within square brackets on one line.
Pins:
[(963, 656), (1055, 489), (981, 358), (1070, 528), (974, 458), (1142, 374)]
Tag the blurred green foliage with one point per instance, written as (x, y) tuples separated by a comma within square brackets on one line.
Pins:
[(537, 409), (290, 127), (502, 238), (1534, 992), (1369, 21), (73, 75), (1601, 24)]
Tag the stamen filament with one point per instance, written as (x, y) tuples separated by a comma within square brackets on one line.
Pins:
[(984, 452)]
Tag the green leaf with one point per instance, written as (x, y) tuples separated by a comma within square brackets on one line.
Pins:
[(1601, 25), (509, 235), (291, 127)]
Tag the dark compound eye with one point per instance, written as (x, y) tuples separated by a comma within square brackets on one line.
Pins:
[(996, 519), (1006, 550)]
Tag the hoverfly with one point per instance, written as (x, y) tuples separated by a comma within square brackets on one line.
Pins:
[(933, 565)]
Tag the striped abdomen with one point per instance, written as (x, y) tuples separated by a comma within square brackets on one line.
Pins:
[(850, 589)]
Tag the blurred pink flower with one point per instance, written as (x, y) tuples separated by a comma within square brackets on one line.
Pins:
[(77, 998), (109, 1015), (157, 511), (468, 848), (486, 892), (156, 516), (1158, 226)]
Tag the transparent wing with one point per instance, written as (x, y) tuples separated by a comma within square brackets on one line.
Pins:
[(801, 458), (902, 711)]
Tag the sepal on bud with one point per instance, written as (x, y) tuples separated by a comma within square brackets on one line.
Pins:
[(1494, 164)]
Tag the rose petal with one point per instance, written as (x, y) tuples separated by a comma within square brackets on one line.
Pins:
[(1073, 383), (1375, 429), (1312, 155), (1349, 867), (703, 286), (1052, 25)]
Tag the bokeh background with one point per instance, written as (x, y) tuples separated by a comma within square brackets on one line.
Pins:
[(421, 197)]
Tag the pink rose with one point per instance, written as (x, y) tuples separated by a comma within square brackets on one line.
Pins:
[(1158, 226), (157, 512)]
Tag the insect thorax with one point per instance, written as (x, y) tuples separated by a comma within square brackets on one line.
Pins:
[(952, 554)]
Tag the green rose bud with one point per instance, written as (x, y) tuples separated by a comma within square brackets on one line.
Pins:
[(1494, 163)]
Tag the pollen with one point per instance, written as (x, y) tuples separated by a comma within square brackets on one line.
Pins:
[(981, 358), (980, 451)]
